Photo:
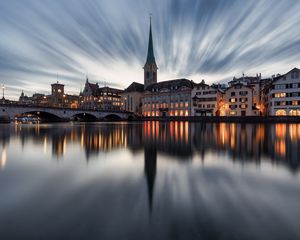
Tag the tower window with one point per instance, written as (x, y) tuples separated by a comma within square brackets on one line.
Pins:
[(148, 74)]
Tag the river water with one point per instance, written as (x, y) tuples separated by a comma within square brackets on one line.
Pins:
[(150, 180)]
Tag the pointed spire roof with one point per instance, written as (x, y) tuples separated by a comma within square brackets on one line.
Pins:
[(150, 55)]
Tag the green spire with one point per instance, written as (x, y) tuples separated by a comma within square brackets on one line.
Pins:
[(150, 55)]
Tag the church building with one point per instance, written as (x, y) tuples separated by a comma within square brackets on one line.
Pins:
[(166, 98)]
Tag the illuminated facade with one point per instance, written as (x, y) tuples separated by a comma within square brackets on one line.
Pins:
[(282, 95), (238, 101), (168, 98), (95, 98)]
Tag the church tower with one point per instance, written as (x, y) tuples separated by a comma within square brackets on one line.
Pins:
[(150, 68)]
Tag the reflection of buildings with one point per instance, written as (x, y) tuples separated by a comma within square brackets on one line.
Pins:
[(180, 140)]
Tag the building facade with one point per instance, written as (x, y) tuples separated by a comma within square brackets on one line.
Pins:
[(238, 101), (132, 98), (282, 95), (206, 100), (168, 98), (94, 97)]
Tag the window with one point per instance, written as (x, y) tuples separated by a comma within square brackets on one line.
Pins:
[(294, 113), (280, 86), (295, 85), (294, 102), (280, 95), (233, 100), (280, 112), (243, 93), (232, 113), (232, 94), (243, 106)]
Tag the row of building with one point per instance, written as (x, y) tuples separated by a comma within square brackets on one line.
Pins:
[(244, 96)]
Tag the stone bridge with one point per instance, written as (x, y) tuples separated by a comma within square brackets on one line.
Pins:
[(63, 114)]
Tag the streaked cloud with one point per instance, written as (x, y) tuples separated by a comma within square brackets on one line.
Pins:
[(107, 39)]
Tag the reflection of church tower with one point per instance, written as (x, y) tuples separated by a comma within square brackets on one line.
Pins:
[(150, 68), (150, 170)]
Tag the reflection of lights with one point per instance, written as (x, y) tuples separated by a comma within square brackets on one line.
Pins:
[(186, 131), (232, 135), (280, 130), (280, 147), (294, 131), (223, 133), (3, 158), (45, 144)]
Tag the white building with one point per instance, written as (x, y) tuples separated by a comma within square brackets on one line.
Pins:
[(282, 95), (206, 100)]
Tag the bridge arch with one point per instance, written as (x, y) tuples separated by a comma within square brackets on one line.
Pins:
[(112, 117), (44, 115), (83, 116)]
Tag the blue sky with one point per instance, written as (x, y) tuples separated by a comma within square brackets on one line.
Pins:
[(107, 40)]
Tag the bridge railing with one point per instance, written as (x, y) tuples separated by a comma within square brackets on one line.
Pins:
[(64, 108)]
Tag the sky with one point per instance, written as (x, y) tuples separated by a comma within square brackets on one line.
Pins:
[(42, 41)]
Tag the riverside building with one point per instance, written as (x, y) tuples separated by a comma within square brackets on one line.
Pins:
[(282, 95), (238, 101), (206, 100), (94, 97)]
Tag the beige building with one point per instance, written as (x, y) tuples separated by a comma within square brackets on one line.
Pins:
[(282, 95), (238, 101), (206, 100)]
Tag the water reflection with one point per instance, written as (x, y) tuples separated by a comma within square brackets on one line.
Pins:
[(181, 140), (182, 183)]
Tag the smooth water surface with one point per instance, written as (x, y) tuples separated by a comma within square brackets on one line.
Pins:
[(150, 180)]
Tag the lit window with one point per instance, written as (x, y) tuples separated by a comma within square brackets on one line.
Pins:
[(280, 95), (232, 113), (280, 113)]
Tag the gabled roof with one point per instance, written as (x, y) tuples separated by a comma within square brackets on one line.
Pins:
[(171, 84), (109, 90), (135, 87), (280, 76), (239, 84)]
